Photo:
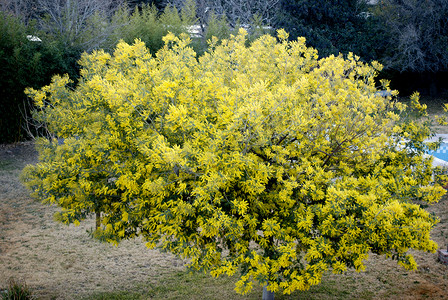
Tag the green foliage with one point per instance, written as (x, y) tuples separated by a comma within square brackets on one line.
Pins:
[(331, 27), (148, 25), (15, 51), (159, 4), (257, 158), (417, 34), (17, 291), (24, 63), (257, 29), (217, 26)]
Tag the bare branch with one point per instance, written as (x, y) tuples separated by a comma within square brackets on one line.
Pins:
[(72, 20)]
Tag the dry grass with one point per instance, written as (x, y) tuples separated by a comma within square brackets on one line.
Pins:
[(62, 262)]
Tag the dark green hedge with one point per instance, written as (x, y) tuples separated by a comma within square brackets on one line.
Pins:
[(25, 63)]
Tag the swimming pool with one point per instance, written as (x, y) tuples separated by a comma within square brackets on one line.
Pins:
[(441, 154)]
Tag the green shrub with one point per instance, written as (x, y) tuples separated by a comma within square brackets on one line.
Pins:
[(148, 25), (17, 291), (26, 63), (17, 60)]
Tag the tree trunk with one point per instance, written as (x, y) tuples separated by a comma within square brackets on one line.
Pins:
[(98, 220), (267, 295)]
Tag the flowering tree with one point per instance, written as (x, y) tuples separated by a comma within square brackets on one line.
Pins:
[(262, 159)]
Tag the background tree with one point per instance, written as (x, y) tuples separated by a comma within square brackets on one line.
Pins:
[(262, 159), (159, 4), (84, 23), (23, 9), (149, 24), (237, 12), (27, 61), (221, 18), (417, 38), (418, 34), (330, 26)]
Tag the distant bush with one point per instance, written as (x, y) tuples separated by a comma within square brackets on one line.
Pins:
[(147, 24)]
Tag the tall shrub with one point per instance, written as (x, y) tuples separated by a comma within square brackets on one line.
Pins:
[(12, 39)]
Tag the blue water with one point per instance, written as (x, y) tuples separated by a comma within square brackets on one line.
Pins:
[(441, 153)]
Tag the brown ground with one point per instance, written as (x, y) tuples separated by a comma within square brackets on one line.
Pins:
[(63, 262)]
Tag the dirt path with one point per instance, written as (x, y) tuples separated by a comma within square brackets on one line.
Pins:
[(63, 262)]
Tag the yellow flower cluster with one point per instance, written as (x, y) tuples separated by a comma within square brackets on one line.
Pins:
[(260, 158)]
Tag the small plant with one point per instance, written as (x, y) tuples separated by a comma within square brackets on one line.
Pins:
[(17, 290)]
